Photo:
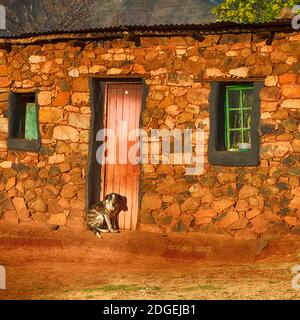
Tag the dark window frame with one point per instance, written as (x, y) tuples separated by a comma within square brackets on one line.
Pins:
[(217, 153), (20, 144)]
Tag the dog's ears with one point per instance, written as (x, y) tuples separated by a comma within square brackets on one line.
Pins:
[(108, 196), (123, 202)]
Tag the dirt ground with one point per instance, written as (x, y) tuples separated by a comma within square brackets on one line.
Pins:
[(69, 264)]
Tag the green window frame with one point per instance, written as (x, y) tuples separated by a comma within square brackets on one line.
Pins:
[(238, 109)]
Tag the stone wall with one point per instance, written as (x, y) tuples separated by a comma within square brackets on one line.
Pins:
[(245, 202)]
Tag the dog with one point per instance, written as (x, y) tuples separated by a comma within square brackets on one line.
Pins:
[(103, 216)]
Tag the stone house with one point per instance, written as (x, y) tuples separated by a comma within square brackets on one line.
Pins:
[(240, 84)]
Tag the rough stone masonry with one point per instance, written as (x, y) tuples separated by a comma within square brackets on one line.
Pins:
[(48, 187)]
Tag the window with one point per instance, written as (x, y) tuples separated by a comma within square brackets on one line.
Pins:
[(239, 102), (23, 122), (234, 119)]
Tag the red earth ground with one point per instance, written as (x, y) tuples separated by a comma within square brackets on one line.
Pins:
[(74, 264)]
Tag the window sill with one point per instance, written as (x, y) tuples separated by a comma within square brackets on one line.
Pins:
[(24, 145), (234, 159)]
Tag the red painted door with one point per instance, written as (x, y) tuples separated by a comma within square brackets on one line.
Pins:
[(123, 107)]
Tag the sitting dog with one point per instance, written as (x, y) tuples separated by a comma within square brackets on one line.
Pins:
[(103, 216)]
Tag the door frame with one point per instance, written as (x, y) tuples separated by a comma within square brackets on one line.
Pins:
[(98, 94)]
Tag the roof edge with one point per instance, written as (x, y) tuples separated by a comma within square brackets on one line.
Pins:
[(155, 30)]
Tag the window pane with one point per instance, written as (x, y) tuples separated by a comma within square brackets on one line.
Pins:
[(31, 132), (234, 120), (247, 98), (235, 139), (234, 99), (247, 136), (239, 103), (247, 119)]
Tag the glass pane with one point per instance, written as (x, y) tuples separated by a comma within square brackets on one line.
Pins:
[(234, 120), (234, 99), (247, 119), (235, 139), (31, 132), (248, 98), (247, 136)]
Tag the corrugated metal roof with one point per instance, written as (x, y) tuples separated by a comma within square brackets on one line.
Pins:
[(39, 16), (217, 27), (28, 18)]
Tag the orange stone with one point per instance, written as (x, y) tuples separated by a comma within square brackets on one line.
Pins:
[(292, 221), (167, 101), (227, 219), (287, 78), (242, 205), (291, 91), (173, 210), (259, 224), (61, 99), (222, 204), (248, 191), (4, 82), (11, 216), (270, 94), (295, 203), (165, 169), (69, 191), (296, 145), (57, 219), (253, 213), (270, 216), (10, 183), (50, 115), (245, 235), (21, 208), (204, 215), (81, 85), (138, 69), (191, 204), (151, 202), (64, 203), (203, 220), (3, 70), (239, 224), (269, 106)]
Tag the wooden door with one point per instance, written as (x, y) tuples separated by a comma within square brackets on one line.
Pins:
[(123, 105)]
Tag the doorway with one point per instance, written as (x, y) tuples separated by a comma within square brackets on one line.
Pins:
[(116, 106)]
